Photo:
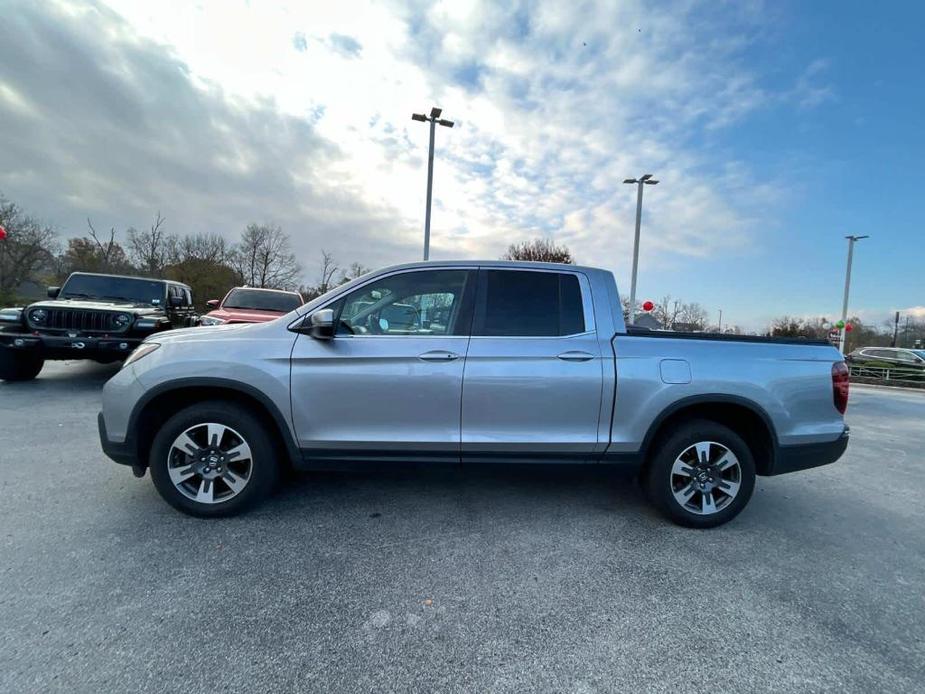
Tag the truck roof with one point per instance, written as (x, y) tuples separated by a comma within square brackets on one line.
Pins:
[(128, 277), (526, 264)]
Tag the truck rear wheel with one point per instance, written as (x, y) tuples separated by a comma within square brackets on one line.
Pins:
[(19, 366), (213, 459), (702, 475)]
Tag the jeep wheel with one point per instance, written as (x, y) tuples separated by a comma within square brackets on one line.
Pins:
[(19, 366), (213, 459), (702, 475)]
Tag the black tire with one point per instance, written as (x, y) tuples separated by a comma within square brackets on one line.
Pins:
[(661, 483), (19, 366), (264, 468)]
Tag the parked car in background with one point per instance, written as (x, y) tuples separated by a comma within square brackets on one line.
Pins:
[(251, 305), (93, 316), (473, 362), (888, 357)]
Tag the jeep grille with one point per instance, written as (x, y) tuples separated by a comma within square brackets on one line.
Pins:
[(78, 320)]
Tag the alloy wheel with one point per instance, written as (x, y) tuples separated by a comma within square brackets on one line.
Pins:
[(705, 478), (209, 463)]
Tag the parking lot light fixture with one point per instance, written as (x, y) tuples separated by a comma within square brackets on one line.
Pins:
[(434, 119), (645, 179)]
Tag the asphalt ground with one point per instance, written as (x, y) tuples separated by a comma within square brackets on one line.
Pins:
[(477, 580)]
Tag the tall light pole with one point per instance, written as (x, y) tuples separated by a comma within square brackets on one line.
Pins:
[(646, 180), (434, 119), (844, 306), (720, 321)]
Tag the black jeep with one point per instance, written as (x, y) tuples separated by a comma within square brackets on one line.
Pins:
[(98, 317)]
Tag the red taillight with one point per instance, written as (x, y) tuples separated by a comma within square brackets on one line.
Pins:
[(840, 386)]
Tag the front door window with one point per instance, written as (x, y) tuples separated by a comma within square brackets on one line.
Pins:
[(410, 303)]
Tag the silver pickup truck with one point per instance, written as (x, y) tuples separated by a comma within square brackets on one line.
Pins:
[(450, 362)]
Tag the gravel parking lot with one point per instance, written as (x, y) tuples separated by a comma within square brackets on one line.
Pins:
[(454, 580)]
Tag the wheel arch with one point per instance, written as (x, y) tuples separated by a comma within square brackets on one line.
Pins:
[(162, 401), (747, 418)]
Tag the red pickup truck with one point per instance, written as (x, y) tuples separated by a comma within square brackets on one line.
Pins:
[(251, 305)]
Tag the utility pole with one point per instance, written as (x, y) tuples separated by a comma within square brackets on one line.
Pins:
[(720, 321), (640, 182), (434, 119), (895, 329), (844, 306)]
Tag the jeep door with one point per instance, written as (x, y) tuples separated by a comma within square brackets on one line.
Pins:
[(389, 383)]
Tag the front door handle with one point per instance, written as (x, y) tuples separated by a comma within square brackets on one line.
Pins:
[(575, 356), (438, 355)]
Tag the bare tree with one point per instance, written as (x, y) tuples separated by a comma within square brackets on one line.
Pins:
[(539, 250), (355, 270), (264, 258), (150, 250), (328, 270), (667, 311), (27, 250), (693, 315), (208, 248), (109, 252), (625, 304)]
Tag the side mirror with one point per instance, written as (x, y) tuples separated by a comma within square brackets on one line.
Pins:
[(212, 303), (322, 324), (53, 292)]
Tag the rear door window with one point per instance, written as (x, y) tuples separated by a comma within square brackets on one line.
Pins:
[(526, 303)]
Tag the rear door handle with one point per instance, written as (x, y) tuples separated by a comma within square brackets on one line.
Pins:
[(575, 356), (438, 355)]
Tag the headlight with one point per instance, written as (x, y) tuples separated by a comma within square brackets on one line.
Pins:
[(120, 320), (38, 315), (10, 315), (144, 349), (211, 320)]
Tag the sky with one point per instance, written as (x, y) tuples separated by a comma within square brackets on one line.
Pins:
[(774, 130)]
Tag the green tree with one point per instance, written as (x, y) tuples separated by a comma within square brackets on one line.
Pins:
[(207, 280)]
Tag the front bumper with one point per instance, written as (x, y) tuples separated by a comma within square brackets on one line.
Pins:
[(809, 455), (123, 453), (66, 347)]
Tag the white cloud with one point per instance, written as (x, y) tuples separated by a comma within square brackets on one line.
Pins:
[(555, 104)]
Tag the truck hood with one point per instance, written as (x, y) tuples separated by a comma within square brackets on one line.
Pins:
[(241, 315), (202, 333)]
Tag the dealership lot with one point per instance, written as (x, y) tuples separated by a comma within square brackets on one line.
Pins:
[(482, 579)]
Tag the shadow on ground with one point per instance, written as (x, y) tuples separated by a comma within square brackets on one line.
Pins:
[(70, 376)]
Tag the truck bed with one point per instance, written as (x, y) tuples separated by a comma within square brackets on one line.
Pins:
[(722, 337)]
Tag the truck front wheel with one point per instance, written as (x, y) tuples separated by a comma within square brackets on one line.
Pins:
[(212, 459), (702, 475), (19, 366)]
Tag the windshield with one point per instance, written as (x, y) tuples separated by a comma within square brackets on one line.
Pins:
[(919, 352), (138, 291), (262, 300)]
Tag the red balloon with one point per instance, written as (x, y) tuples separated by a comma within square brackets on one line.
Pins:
[(848, 327), (2, 233), (647, 306)]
